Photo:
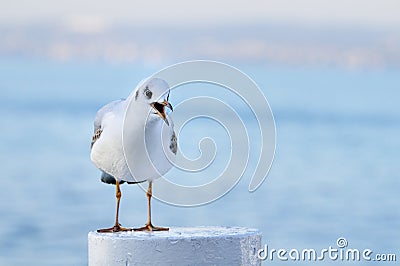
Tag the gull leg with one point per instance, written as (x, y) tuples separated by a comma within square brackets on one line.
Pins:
[(117, 227), (149, 226)]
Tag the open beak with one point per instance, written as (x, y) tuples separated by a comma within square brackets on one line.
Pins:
[(159, 107)]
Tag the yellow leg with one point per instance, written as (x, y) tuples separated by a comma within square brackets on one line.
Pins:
[(117, 227), (149, 226)]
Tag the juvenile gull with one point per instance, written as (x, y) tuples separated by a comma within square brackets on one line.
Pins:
[(136, 149)]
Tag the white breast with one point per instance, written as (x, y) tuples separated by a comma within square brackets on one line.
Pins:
[(149, 156), (135, 149), (107, 152)]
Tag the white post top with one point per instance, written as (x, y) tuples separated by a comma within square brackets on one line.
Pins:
[(178, 246)]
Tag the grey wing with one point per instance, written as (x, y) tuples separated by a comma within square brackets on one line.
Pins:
[(99, 118), (96, 136), (102, 111), (173, 144)]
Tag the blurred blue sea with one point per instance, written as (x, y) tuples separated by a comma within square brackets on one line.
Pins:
[(335, 174)]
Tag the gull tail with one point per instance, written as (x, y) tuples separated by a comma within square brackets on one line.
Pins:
[(109, 179)]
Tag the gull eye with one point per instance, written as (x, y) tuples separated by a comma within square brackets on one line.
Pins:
[(148, 93)]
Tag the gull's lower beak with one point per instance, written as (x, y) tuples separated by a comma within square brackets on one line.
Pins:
[(160, 109)]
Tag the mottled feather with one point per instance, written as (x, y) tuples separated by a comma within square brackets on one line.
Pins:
[(95, 137), (173, 146)]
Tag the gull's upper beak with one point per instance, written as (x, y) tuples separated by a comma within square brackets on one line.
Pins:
[(159, 107)]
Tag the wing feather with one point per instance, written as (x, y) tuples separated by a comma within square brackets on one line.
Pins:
[(98, 120), (96, 136)]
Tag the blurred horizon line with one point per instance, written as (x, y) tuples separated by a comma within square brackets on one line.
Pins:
[(275, 42)]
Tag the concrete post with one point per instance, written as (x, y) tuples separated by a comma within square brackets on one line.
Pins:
[(178, 246)]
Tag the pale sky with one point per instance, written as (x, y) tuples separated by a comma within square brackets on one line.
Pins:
[(377, 13)]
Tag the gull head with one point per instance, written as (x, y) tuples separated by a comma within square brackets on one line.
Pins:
[(154, 93)]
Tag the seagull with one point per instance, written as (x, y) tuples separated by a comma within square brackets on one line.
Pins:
[(134, 141)]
